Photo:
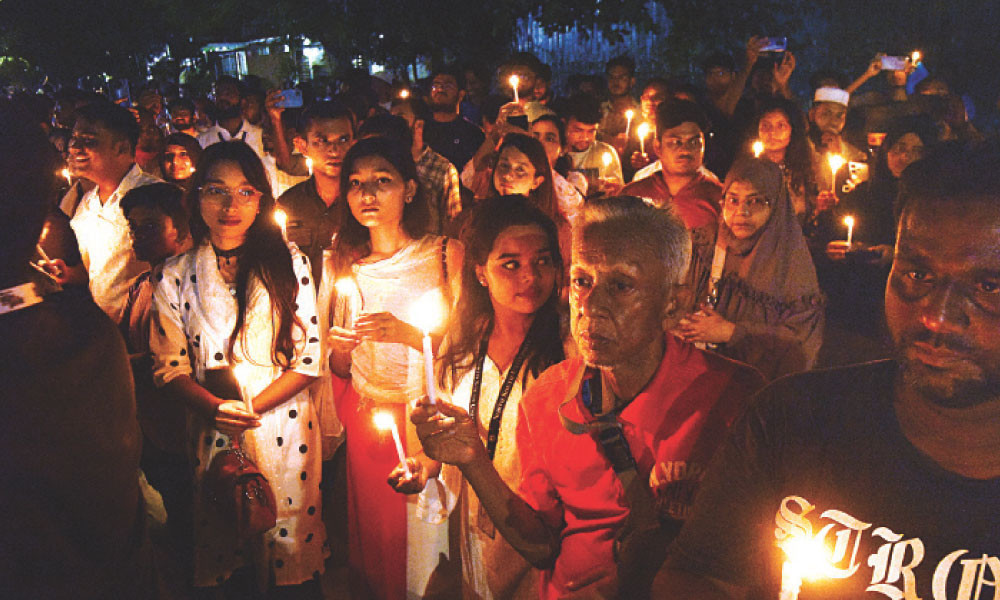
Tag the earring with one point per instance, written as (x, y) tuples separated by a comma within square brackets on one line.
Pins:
[(482, 282)]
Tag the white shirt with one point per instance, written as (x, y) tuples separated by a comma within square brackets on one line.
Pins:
[(105, 245), (590, 162), (248, 132)]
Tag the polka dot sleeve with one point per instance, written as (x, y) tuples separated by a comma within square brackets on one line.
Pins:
[(167, 340), (307, 360)]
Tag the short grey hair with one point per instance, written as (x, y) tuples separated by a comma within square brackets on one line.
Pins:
[(659, 229)]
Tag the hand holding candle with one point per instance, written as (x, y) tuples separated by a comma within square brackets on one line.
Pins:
[(514, 81), (849, 221), (642, 130), (427, 315), (836, 161), (384, 422), (348, 289)]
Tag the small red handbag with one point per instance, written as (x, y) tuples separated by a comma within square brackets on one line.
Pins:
[(241, 494)]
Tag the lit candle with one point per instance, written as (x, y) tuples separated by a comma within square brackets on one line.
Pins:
[(628, 121), (514, 80), (806, 559), (915, 57), (849, 221), (348, 288), (309, 165), (427, 315), (241, 371), (836, 161), (282, 220), (404, 94), (758, 148), (65, 173), (643, 131), (385, 422), (606, 160)]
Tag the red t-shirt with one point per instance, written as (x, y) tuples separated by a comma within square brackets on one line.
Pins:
[(672, 427), (697, 203)]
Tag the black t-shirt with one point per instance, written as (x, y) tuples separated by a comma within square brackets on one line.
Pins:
[(311, 223), (456, 140), (822, 453)]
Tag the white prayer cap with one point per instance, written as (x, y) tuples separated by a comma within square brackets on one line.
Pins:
[(832, 94)]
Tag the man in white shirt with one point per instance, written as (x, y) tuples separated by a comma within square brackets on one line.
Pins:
[(230, 124), (102, 150), (596, 160)]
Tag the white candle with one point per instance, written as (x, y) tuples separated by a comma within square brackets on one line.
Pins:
[(428, 314), (241, 371), (791, 581), (282, 220), (849, 221), (348, 288), (836, 161), (643, 131), (628, 121), (514, 80), (309, 165), (384, 421), (758, 148)]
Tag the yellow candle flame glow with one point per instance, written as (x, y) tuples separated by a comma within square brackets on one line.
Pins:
[(428, 312), (629, 114), (513, 81), (309, 165), (345, 286), (642, 130), (607, 159), (65, 173), (383, 420), (915, 57), (280, 218), (758, 148), (849, 221), (404, 93), (836, 161), (807, 556)]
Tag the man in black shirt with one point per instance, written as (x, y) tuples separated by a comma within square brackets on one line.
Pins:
[(449, 134), (326, 133), (889, 470)]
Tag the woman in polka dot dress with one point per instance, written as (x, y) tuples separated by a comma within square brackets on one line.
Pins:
[(242, 296)]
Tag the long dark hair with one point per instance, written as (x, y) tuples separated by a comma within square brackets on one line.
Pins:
[(798, 155), (543, 197), (473, 316), (265, 254), (353, 240)]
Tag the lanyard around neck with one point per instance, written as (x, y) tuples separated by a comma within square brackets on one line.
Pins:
[(493, 434)]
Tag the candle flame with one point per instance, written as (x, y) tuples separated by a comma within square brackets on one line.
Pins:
[(280, 218), (758, 148), (65, 173), (404, 93), (807, 556), (642, 130), (607, 159), (915, 57), (849, 221), (345, 286), (309, 164), (836, 161), (513, 81), (383, 420), (629, 114), (241, 371), (428, 312)]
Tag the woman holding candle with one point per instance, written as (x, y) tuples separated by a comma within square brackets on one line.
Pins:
[(383, 247), (781, 128), (764, 306), (241, 296), (504, 334)]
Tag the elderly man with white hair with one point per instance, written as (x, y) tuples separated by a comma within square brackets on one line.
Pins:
[(613, 442)]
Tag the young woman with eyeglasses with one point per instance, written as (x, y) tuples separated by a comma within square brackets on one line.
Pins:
[(242, 297), (755, 294)]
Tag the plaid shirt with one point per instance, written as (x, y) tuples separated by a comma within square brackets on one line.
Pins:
[(438, 180)]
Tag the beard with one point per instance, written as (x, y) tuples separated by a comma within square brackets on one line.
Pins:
[(223, 113), (968, 383)]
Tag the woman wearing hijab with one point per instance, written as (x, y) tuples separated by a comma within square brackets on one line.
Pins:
[(755, 289)]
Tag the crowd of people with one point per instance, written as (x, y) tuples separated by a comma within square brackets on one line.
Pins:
[(483, 341)]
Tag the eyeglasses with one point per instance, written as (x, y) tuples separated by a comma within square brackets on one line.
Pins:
[(753, 204), (218, 194), (694, 143)]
